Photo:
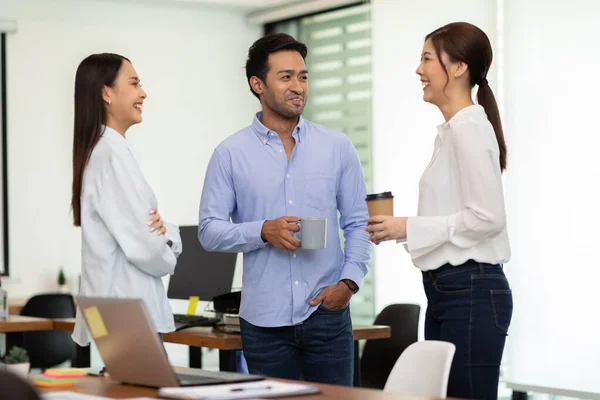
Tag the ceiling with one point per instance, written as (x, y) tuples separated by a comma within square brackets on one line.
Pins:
[(243, 5), (255, 4)]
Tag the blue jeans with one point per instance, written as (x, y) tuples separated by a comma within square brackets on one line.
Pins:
[(321, 349), (471, 306)]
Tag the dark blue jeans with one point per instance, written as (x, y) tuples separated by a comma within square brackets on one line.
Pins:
[(321, 349), (471, 306)]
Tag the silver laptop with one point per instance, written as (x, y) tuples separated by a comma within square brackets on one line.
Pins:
[(133, 352)]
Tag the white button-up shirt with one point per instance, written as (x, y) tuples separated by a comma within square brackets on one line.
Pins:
[(461, 212), (120, 256)]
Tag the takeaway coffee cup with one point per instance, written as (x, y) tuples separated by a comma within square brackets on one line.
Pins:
[(380, 203), (313, 233)]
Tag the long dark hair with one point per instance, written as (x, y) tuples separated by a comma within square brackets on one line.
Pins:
[(467, 43), (95, 72)]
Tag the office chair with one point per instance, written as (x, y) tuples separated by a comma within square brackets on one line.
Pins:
[(422, 369), (49, 348), (379, 356)]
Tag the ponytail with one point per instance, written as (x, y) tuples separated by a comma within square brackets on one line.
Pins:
[(485, 98)]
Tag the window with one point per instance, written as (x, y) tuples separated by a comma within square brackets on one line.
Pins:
[(3, 162), (339, 64)]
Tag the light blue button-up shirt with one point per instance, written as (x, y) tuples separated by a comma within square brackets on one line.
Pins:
[(249, 180)]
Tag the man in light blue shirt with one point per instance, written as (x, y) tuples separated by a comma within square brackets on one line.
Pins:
[(294, 315)]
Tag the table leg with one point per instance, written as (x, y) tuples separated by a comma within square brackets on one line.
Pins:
[(195, 353), (356, 365), (227, 360)]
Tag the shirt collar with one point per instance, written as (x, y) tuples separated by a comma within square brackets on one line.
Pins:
[(109, 132), (112, 134), (265, 134), (463, 114)]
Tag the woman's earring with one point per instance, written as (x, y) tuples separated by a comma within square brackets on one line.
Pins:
[(109, 102)]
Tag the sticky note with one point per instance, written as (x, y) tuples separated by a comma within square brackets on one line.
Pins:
[(62, 376), (192, 305), (56, 384), (46, 379), (66, 371), (95, 322)]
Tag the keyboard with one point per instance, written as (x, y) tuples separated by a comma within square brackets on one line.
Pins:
[(183, 321)]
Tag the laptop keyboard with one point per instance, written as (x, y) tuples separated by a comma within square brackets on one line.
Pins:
[(183, 321)]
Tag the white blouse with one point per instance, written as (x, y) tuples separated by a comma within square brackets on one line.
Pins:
[(120, 256), (461, 213)]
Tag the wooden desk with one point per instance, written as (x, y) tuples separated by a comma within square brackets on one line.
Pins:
[(15, 305), (229, 343), (98, 386), (64, 324), (17, 323), (205, 336)]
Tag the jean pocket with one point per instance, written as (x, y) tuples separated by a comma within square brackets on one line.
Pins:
[(320, 192), (454, 283), (502, 305), (332, 310)]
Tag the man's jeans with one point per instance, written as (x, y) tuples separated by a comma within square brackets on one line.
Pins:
[(320, 349)]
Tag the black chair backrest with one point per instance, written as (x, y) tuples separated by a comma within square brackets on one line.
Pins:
[(379, 356), (49, 348)]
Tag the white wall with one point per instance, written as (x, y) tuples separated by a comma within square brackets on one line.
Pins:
[(404, 127), (190, 61), (553, 191)]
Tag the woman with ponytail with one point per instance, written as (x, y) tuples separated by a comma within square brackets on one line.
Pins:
[(459, 238), (126, 246)]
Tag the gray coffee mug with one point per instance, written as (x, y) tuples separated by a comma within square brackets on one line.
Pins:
[(313, 233)]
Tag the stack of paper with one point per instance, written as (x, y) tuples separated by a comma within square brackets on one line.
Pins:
[(231, 323), (60, 377), (260, 389)]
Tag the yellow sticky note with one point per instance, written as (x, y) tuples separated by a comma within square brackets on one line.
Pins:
[(192, 305), (95, 322)]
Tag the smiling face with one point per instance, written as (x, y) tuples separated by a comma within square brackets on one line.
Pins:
[(124, 98), (286, 88), (434, 78)]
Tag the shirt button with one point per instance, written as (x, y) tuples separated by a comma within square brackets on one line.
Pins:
[(296, 283), (288, 175), (264, 142), (289, 201), (271, 133), (294, 255), (281, 150)]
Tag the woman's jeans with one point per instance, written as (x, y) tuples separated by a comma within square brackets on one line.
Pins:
[(471, 306)]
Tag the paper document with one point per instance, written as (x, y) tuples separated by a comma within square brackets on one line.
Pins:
[(79, 396), (248, 390)]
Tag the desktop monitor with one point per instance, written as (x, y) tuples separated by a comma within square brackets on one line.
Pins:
[(199, 272)]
